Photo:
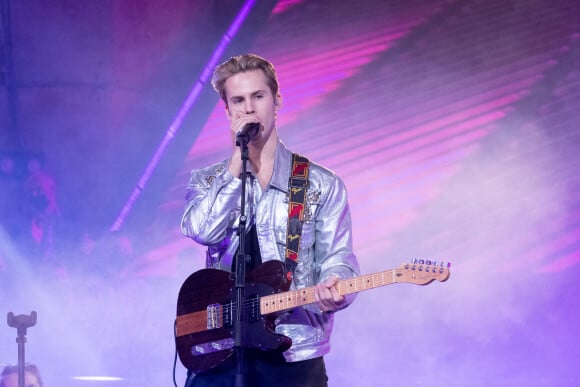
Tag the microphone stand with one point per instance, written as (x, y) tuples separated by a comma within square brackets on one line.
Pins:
[(242, 258), (21, 323)]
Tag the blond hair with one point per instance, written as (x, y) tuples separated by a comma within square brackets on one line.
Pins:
[(242, 63)]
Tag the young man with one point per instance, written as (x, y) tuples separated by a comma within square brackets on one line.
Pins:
[(9, 376), (249, 87)]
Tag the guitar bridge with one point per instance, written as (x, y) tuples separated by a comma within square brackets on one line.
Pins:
[(214, 316)]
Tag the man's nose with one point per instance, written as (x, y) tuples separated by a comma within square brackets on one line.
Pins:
[(249, 108)]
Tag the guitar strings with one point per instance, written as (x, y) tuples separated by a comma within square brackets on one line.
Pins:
[(348, 286), (358, 283), (253, 302), (248, 304)]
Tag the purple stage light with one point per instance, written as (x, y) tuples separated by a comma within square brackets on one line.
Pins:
[(182, 113)]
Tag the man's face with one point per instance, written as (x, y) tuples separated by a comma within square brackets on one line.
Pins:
[(11, 380), (248, 94)]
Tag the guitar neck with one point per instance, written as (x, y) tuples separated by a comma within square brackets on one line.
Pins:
[(292, 299)]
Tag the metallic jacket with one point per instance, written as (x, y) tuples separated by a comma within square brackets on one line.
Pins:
[(211, 218)]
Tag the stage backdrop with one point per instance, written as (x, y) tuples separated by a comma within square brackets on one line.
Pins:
[(453, 123)]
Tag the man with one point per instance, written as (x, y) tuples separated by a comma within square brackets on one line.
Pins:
[(249, 87), (9, 377)]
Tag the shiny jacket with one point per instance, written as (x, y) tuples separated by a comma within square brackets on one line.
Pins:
[(211, 218)]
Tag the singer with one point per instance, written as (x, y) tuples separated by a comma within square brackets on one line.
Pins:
[(314, 243)]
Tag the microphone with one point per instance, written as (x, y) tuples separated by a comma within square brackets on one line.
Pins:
[(248, 131)]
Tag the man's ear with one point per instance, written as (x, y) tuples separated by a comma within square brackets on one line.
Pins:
[(228, 114)]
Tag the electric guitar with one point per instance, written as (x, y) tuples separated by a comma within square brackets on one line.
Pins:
[(206, 307)]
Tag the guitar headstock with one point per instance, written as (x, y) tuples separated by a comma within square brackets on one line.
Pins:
[(423, 272)]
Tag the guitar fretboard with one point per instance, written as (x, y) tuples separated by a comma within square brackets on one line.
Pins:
[(292, 299)]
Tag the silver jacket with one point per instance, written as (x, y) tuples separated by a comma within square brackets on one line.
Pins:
[(211, 218)]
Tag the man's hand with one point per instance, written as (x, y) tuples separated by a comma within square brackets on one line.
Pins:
[(327, 295)]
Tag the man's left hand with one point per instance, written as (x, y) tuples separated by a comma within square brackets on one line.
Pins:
[(327, 295)]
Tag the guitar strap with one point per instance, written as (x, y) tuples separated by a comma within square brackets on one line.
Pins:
[(297, 186)]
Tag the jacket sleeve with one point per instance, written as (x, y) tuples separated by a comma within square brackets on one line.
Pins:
[(333, 248), (212, 198)]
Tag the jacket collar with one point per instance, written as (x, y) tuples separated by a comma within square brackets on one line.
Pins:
[(282, 167)]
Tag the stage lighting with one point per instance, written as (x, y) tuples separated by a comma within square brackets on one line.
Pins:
[(18, 164)]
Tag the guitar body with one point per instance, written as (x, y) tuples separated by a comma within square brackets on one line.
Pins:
[(212, 289)]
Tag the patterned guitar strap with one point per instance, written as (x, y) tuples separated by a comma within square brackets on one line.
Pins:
[(297, 185)]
